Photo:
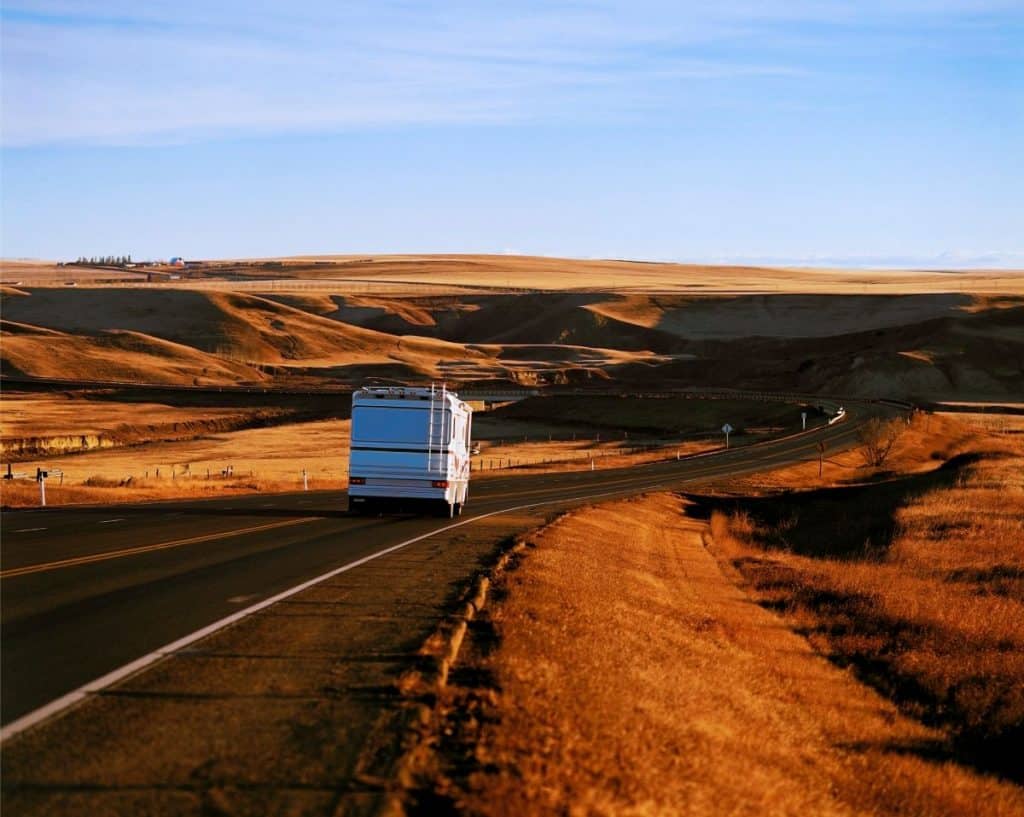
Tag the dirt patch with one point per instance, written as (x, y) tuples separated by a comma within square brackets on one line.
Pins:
[(621, 672)]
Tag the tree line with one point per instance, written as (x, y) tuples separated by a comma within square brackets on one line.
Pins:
[(105, 260)]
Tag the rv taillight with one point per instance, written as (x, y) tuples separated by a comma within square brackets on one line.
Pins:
[(439, 483), (357, 480)]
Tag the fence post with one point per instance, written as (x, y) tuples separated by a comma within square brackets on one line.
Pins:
[(305, 480)]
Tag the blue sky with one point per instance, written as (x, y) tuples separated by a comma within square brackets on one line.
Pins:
[(805, 131)]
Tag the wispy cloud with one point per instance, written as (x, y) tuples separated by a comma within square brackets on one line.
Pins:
[(126, 72)]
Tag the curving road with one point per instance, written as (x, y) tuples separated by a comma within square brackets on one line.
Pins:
[(87, 590)]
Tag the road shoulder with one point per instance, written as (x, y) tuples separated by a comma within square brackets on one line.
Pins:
[(296, 709)]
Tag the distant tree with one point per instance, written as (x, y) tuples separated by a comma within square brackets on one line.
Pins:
[(877, 438)]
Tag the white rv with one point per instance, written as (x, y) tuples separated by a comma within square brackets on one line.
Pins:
[(409, 445)]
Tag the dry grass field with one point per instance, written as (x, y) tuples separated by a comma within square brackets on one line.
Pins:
[(34, 424), (262, 460), (535, 321), (915, 582), (495, 321), (148, 450), (551, 274), (49, 273), (622, 672)]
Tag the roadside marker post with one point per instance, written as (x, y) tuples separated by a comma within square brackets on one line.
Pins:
[(821, 457), (803, 419), (727, 430), (41, 479), (305, 480)]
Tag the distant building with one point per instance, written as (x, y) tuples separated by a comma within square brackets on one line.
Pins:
[(177, 261)]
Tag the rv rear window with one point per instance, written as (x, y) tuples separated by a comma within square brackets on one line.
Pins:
[(381, 424)]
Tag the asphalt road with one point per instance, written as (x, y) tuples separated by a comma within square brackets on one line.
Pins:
[(86, 590)]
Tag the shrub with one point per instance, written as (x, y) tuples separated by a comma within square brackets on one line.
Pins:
[(877, 437)]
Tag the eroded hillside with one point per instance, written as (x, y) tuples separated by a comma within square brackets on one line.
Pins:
[(932, 345)]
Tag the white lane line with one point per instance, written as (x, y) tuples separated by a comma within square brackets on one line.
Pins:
[(108, 521), (62, 703), (27, 530), (242, 599)]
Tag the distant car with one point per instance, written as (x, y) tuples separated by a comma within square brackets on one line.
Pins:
[(71, 283), (475, 449)]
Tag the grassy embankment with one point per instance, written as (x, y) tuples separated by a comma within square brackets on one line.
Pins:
[(915, 582), (619, 670)]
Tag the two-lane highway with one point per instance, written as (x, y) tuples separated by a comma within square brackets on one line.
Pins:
[(87, 590)]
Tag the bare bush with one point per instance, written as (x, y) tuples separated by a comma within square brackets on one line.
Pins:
[(877, 438)]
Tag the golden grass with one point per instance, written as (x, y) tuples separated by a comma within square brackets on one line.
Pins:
[(586, 323), (931, 609), (566, 455), (262, 459), (272, 459), (545, 273), (106, 491), (630, 676), (213, 338), (29, 414), (926, 442), (48, 273)]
